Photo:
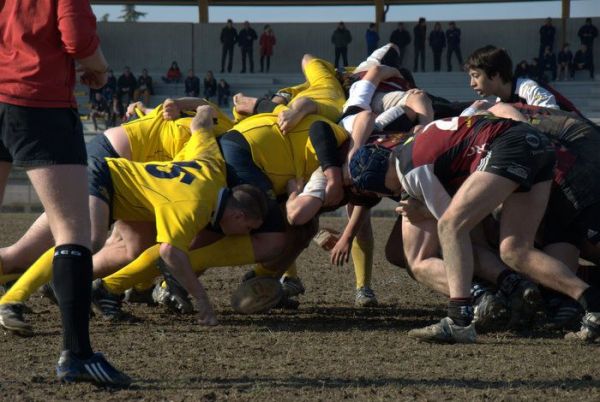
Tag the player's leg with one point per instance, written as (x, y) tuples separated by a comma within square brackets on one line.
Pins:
[(362, 258)]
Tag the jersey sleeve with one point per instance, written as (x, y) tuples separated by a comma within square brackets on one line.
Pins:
[(316, 185), (178, 223), (421, 183), (534, 94), (202, 146)]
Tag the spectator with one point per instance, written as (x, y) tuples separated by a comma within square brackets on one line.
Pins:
[(341, 38), (453, 39), (99, 109), (126, 85), (210, 85), (192, 84), (547, 34), (109, 90), (401, 38), (534, 70), (144, 87), (223, 93), (229, 38), (372, 39), (437, 41), (246, 39), (587, 33), (522, 70), (117, 112), (420, 35), (549, 62), (267, 42), (565, 61), (173, 74), (582, 61)]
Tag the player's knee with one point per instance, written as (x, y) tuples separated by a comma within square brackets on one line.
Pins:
[(513, 254)]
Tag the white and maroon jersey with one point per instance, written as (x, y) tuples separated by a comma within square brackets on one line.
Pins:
[(433, 164), (530, 92)]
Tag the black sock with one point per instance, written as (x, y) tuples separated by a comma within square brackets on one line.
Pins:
[(590, 299), (72, 270), (507, 281), (460, 309)]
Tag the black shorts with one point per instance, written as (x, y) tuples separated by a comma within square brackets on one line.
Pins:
[(521, 154), (32, 137), (565, 224), (99, 180)]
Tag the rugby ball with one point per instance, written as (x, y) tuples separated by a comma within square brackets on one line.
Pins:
[(256, 295)]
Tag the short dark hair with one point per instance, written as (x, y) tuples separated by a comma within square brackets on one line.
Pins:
[(492, 60), (249, 199)]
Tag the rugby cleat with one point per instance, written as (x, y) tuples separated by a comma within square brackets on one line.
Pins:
[(365, 297), (524, 303), (11, 319), (292, 286), (107, 304), (445, 331), (96, 370), (490, 312), (563, 312), (590, 329), (176, 302), (140, 296)]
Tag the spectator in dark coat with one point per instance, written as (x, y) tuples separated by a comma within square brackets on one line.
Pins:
[(99, 109), (401, 38), (117, 112), (453, 39), (192, 84), (547, 35), (223, 93), (126, 85), (267, 42), (437, 41), (549, 62), (565, 61), (229, 38), (522, 70), (587, 33), (246, 39), (144, 87), (583, 61), (372, 38), (420, 35), (341, 38), (210, 85)]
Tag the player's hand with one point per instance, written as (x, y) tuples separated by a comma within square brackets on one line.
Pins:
[(340, 253), (93, 79), (203, 119), (171, 110), (288, 119), (413, 210), (131, 113)]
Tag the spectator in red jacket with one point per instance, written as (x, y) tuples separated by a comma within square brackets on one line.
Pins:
[(173, 74), (267, 42)]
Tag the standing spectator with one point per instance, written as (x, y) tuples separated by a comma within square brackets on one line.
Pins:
[(40, 130), (582, 61), (522, 70), (437, 41), (99, 109), (267, 42), (547, 34), (246, 39), (173, 74), (549, 62), (117, 112), (341, 38), (587, 33), (420, 34), (126, 85), (144, 87), (229, 38), (565, 61), (192, 84), (210, 85), (372, 39), (401, 38), (223, 93), (453, 39)]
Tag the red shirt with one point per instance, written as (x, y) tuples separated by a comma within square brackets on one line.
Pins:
[(40, 40)]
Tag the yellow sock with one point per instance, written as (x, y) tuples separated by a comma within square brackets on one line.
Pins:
[(37, 275), (292, 271), (141, 270), (261, 270), (142, 286), (362, 256), (229, 251)]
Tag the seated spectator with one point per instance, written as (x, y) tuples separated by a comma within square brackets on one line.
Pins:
[(109, 90), (210, 85), (144, 88), (565, 61), (117, 112), (192, 84), (126, 85), (549, 62), (534, 70), (583, 61), (522, 70), (99, 109), (173, 74), (223, 93)]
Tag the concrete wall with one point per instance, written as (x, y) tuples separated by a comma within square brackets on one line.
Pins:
[(155, 45)]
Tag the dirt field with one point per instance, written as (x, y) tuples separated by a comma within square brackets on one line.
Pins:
[(327, 351)]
